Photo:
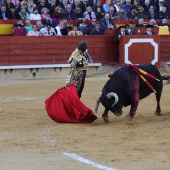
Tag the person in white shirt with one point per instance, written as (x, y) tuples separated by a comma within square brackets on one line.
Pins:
[(117, 5), (48, 30), (60, 29), (35, 15), (34, 31)]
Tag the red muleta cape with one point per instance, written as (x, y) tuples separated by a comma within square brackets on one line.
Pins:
[(64, 106)]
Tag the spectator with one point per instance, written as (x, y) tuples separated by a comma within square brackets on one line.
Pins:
[(117, 5), (66, 25), (142, 13), (164, 22), (129, 29), (136, 4), (131, 24), (42, 4), (20, 23), (98, 4), (48, 30), (83, 27), (92, 24), (86, 30), (75, 4), (57, 3), (167, 4), (14, 14), (149, 30), (3, 14), (30, 6), (19, 28), (122, 15), (164, 13), (58, 14), (16, 3), (122, 32), (127, 6), (107, 6), (91, 3), (64, 4), (75, 31), (39, 25), (133, 14), (89, 14), (146, 5), (99, 14), (79, 13), (44, 13), (84, 5), (34, 31), (69, 13), (153, 22), (140, 23), (97, 30), (23, 4), (35, 15), (52, 6), (23, 14), (28, 25), (60, 29), (152, 14), (160, 5), (8, 6), (113, 13), (107, 22)]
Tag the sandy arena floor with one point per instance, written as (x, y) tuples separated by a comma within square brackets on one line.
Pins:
[(30, 140)]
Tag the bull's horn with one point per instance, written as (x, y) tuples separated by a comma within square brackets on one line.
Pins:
[(97, 104), (109, 95)]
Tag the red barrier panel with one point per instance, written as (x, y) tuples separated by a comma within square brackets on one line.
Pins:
[(139, 49)]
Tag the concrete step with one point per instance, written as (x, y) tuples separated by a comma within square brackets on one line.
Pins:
[(41, 71)]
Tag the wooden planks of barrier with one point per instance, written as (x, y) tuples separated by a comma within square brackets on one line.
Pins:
[(54, 49), (139, 49)]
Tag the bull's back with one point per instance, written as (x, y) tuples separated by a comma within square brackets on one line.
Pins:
[(144, 90), (122, 82)]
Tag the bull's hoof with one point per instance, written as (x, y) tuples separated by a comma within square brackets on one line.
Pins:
[(118, 114), (106, 119), (129, 122), (129, 119), (157, 113)]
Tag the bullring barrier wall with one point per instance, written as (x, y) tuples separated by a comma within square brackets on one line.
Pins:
[(29, 54)]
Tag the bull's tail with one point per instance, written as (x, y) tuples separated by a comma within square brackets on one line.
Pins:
[(166, 77), (97, 105)]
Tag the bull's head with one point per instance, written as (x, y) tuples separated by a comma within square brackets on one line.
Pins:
[(110, 102)]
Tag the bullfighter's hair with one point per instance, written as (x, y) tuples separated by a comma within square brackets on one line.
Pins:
[(82, 46)]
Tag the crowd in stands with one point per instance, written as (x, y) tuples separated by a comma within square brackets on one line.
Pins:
[(52, 15)]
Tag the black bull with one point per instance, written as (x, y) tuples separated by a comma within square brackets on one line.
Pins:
[(125, 87)]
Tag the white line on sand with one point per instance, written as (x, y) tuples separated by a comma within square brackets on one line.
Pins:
[(81, 159), (21, 99), (52, 143)]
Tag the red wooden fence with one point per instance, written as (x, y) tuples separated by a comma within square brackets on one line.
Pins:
[(55, 50)]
